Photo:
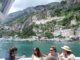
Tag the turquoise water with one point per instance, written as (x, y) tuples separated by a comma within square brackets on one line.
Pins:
[(26, 47)]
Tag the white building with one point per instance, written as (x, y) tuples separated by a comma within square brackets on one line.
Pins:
[(73, 22), (78, 32), (64, 32), (56, 33), (67, 33)]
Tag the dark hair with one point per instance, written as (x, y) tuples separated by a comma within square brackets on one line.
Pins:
[(11, 51), (68, 52), (54, 48), (38, 54)]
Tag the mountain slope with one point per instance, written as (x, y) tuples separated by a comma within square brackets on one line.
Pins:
[(22, 20)]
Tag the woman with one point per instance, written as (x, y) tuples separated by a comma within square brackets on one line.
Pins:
[(37, 54), (66, 54), (53, 55), (12, 54)]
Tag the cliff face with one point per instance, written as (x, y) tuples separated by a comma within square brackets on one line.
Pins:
[(27, 16), (71, 1), (46, 18)]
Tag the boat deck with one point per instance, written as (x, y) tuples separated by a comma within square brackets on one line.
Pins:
[(77, 58)]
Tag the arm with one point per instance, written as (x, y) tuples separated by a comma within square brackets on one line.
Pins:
[(71, 57), (59, 58), (32, 57), (44, 55)]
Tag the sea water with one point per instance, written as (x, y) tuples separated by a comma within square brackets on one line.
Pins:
[(26, 47)]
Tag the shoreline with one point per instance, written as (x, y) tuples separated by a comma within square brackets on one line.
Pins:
[(33, 40)]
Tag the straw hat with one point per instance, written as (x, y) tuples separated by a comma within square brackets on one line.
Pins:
[(67, 48)]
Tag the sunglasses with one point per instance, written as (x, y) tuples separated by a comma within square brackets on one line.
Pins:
[(51, 50)]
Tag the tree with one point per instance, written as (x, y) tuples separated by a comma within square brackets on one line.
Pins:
[(48, 35), (63, 3), (27, 32)]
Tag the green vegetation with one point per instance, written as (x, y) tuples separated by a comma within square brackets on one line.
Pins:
[(70, 11), (27, 32), (7, 33), (48, 35)]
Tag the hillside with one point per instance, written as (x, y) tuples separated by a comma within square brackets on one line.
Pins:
[(23, 23)]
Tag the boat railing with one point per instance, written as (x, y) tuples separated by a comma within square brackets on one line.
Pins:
[(77, 58)]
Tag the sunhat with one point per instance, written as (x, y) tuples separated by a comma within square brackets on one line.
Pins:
[(67, 48)]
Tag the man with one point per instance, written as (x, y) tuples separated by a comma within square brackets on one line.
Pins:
[(53, 55)]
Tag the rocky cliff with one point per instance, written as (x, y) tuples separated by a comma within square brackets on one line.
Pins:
[(25, 21)]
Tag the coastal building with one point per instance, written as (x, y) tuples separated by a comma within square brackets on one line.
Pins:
[(56, 33), (67, 33), (74, 22), (78, 32)]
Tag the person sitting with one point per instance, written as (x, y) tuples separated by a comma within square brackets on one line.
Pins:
[(37, 54), (12, 54), (53, 55), (66, 54)]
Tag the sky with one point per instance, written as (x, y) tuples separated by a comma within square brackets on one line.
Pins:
[(22, 4)]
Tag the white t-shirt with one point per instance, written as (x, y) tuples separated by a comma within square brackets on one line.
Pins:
[(70, 57), (53, 57), (37, 58), (63, 57)]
